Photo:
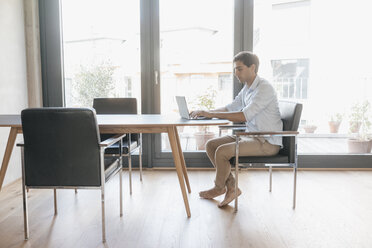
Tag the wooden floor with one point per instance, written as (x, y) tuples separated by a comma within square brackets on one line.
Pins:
[(334, 209)]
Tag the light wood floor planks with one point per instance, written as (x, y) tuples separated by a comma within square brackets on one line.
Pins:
[(334, 209)]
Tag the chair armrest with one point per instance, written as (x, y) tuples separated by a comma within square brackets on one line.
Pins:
[(232, 126), (112, 140), (268, 134), (106, 143)]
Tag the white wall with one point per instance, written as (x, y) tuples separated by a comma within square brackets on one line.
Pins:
[(13, 75)]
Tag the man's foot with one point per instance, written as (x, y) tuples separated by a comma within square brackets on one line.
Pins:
[(229, 197), (212, 193)]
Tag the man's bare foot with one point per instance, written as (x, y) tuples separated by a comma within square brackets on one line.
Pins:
[(212, 193), (229, 197)]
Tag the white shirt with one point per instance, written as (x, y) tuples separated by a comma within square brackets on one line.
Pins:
[(259, 103)]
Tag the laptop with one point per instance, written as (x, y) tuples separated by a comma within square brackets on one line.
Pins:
[(184, 111)]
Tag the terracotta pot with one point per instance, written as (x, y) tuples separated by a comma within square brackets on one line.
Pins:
[(355, 126), (358, 146), (334, 126), (201, 139), (310, 128)]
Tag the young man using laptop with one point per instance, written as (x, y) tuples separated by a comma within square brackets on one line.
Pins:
[(257, 106)]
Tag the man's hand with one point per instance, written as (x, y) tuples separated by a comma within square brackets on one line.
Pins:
[(231, 116), (197, 113)]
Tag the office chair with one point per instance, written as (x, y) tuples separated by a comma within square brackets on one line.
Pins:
[(62, 150), (122, 106), (290, 114)]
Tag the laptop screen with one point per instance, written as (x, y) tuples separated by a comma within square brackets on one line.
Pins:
[(182, 107)]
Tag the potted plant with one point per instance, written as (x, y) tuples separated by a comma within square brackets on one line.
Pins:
[(357, 114), (359, 120), (310, 127), (334, 122), (205, 101)]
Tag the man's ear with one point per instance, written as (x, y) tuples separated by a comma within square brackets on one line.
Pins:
[(253, 68)]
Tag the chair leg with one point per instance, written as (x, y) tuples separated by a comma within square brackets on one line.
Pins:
[(75, 190), (236, 172), (271, 178), (294, 185), (24, 193), (140, 156), (55, 201), (102, 165), (130, 173), (295, 174), (121, 192), (25, 213), (129, 165), (103, 214)]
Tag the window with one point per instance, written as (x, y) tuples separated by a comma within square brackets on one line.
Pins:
[(101, 50), (309, 57), (322, 63), (290, 77), (224, 82)]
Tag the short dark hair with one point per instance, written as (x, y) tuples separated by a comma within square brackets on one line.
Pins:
[(248, 58)]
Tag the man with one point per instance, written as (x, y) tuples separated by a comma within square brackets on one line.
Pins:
[(257, 106)]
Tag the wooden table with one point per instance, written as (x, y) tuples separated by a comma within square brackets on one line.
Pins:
[(125, 124)]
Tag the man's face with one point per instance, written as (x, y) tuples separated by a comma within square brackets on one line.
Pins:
[(244, 73)]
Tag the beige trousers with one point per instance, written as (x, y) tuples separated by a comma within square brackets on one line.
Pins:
[(221, 150)]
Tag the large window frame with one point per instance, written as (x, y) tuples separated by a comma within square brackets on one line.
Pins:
[(53, 84)]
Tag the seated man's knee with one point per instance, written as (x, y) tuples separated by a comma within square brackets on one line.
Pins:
[(210, 145), (224, 152)]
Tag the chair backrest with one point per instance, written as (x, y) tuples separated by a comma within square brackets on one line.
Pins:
[(115, 105), (290, 113), (111, 106), (61, 147)]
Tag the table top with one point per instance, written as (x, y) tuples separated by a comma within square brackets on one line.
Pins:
[(146, 120)]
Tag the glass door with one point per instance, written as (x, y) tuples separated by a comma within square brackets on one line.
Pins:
[(196, 52), (101, 50)]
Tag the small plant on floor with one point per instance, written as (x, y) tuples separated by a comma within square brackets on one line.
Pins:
[(310, 127), (359, 118), (334, 122), (360, 123)]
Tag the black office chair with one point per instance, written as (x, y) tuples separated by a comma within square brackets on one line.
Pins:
[(62, 150), (290, 114), (122, 106)]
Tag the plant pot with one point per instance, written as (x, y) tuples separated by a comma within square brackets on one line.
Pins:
[(201, 139), (354, 126), (358, 146), (370, 146), (180, 129), (334, 126), (310, 128), (202, 129)]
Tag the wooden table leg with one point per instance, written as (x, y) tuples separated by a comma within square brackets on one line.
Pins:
[(178, 164), (8, 152), (184, 169)]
